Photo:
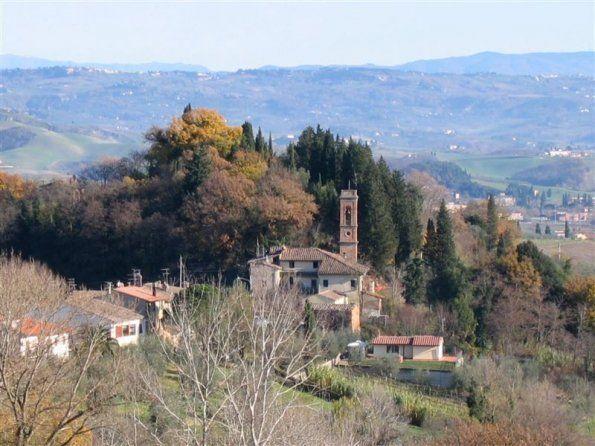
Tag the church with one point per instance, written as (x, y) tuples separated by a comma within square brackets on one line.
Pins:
[(327, 278)]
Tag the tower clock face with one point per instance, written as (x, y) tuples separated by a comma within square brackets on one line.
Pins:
[(347, 233)]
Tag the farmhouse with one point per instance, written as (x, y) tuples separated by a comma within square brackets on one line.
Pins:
[(153, 301), (125, 326), (409, 347), (43, 337)]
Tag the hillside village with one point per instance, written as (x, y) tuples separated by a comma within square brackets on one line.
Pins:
[(271, 288)]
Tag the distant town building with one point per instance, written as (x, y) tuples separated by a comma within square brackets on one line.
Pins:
[(515, 216), (505, 200), (451, 206)]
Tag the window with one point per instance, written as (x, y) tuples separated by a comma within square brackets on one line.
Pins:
[(392, 349), (325, 283), (313, 284), (291, 280), (125, 330), (348, 216), (353, 284), (315, 265), (140, 328), (291, 264)]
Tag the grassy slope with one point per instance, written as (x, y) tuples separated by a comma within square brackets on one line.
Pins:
[(51, 151), (496, 171), (582, 252)]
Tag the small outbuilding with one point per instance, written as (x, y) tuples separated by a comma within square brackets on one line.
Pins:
[(426, 348)]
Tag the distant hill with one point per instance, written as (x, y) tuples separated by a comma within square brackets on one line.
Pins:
[(395, 111), (565, 64), (37, 149), (10, 61)]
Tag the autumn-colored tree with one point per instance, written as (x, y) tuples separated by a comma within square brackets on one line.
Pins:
[(15, 185), (580, 298)]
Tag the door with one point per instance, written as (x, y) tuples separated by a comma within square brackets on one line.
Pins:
[(408, 352)]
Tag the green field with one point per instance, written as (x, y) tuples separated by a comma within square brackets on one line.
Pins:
[(52, 152), (497, 171)]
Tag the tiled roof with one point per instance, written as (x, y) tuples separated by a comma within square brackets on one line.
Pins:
[(416, 341), (144, 293), (113, 313), (33, 327), (330, 263)]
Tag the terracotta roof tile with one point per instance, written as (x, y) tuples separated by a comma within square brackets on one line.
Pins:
[(330, 263), (144, 293), (416, 341)]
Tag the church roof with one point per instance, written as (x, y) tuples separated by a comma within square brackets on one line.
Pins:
[(330, 263)]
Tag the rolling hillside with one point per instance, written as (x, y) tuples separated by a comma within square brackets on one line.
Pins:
[(52, 152)]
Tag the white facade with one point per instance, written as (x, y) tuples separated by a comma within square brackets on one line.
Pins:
[(58, 345), (128, 332), (430, 353)]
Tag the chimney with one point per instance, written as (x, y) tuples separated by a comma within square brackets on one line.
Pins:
[(154, 289)]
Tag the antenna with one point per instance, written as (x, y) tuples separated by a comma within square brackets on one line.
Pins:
[(165, 274)]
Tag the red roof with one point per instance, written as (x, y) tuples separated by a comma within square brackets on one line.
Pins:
[(416, 341), (145, 293), (33, 327)]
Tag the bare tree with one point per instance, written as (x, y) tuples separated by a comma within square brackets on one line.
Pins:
[(238, 359), (50, 388)]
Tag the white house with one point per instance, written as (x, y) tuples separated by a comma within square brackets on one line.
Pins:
[(152, 300), (124, 324), (35, 334), (409, 347)]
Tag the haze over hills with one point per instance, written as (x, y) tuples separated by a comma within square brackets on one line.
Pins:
[(571, 63), (396, 111), (11, 61)]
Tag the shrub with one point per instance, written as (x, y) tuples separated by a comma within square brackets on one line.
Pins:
[(327, 383)]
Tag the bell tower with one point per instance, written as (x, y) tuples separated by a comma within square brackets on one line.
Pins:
[(348, 224)]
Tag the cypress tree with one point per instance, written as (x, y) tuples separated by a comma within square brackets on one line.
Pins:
[(429, 248), (465, 318), (492, 224), (378, 232), (271, 152), (188, 108), (445, 244), (548, 230), (260, 144), (247, 142), (566, 229), (415, 282), (448, 272), (538, 229)]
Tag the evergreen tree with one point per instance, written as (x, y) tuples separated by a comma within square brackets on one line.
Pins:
[(548, 231), (445, 244), (566, 229), (271, 151), (198, 169), (542, 201), (538, 229), (415, 282), (429, 249), (549, 192), (465, 318), (504, 243), (378, 232), (188, 108), (492, 224), (260, 144), (448, 272), (247, 142)]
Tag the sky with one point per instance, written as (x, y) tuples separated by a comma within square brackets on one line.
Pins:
[(231, 35)]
